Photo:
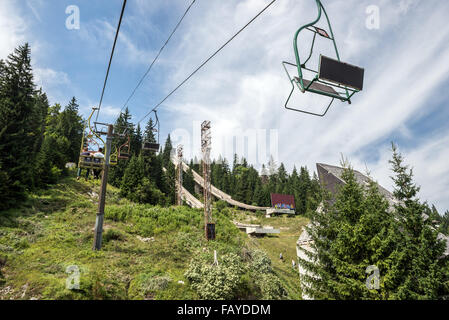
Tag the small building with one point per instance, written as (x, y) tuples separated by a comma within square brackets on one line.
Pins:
[(281, 203)]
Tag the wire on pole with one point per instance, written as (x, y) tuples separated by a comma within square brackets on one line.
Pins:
[(207, 60), (110, 59), (157, 56)]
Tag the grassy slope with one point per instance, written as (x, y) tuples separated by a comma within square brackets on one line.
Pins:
[(284, 242), (54, 230)]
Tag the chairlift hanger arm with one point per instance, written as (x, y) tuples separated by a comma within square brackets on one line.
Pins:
[(158, 125), (307, 27), (90, 128)]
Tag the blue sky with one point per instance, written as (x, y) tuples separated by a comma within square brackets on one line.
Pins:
[(244, 88)]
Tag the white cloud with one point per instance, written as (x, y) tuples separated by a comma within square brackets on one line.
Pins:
[(110, 112), (46, 77), (245, 85), (12, 28), (428, 160)]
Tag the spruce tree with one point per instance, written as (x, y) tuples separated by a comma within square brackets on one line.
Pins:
[(348, 236), (166, 153), (122, 124), (420, 270), (444, 227), (18, 131), (303, 190), (71, 126), (132, 178), (188, 181)]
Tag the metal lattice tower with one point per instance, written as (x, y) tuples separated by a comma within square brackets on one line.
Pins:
[(179, 176), (205, 149)]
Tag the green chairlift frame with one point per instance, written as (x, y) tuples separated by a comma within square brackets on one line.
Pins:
[(342, 87)]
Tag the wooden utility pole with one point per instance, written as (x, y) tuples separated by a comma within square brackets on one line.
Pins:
[(209, 227), (104, 182), (179, 176)]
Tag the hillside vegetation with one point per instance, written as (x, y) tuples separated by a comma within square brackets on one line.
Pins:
[(149, 252)]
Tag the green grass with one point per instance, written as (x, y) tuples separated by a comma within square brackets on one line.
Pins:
[(53, 230), (284, 242)]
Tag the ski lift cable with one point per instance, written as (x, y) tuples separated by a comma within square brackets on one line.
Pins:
[(157, 56), (110, 59), (207, 60)]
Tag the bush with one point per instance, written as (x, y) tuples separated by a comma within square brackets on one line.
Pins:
[(213, 282), (112, 234), (147, 192), (117, 213), (260, 262), (146, 285), (270, 287), (261, 270), (220, 205)]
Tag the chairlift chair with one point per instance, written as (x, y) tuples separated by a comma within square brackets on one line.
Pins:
[(334, 78), (123, 151), (152, 146), (87, 161)]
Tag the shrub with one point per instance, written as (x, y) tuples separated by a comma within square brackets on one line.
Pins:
[(112, 234), (220, 205), (261, 270), (214, 282), (260, 262), (117, 213), (146, 285), (270, 286)]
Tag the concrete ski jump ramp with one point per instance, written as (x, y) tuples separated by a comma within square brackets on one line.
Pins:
[(217, 193)]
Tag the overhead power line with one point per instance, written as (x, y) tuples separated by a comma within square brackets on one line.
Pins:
[(110, 59), (206, 61), (157, 56)]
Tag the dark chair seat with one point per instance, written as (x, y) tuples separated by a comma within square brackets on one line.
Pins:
[(151, 146)]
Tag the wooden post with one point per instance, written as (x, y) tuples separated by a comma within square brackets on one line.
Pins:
[(179, 177), (102, 198), (209, 227)]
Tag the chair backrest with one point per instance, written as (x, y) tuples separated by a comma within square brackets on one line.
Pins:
[(151, 146), (341, 73)]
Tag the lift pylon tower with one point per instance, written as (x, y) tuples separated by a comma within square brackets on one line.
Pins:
[(179, 176), (209, 226)]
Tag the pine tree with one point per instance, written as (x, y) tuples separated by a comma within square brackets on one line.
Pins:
[(169, 179), (419, 270), (282, 178), (132, 178), (272, 167), (348, 236), (444, 227), (303, 190), (122, 124), (71, 126), (188, 181), (41, 111), (17, 126), (166, 153), (50, 162), (136, 141)]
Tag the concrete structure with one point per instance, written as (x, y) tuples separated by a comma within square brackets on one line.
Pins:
[(256, 229), (271, 211), (217, 193)]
